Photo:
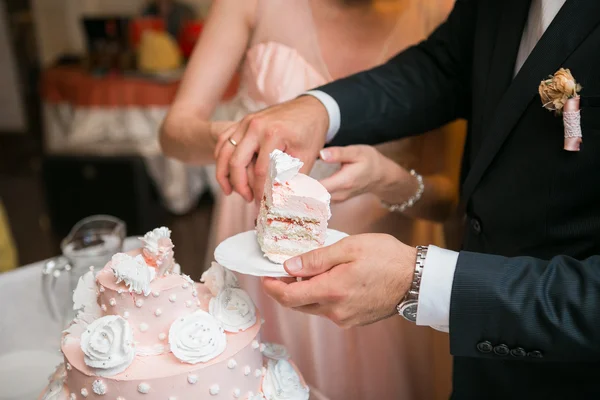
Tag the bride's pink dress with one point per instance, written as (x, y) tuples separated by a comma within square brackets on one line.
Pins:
[(392, 359)]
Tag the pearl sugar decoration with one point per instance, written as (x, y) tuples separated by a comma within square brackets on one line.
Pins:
[(139, 303), (84, 392), (112, 302), (158, 312), (143, 388), (172, 298), (231, 364), (143, 327), (214, 390), (192, 379), (247, 370), (99, 387), (237, 393)]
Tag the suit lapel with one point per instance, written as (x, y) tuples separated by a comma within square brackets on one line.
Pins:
[(513, 17), (488, 47), (571, 26)]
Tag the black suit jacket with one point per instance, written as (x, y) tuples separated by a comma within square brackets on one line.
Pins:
[(525, 308)]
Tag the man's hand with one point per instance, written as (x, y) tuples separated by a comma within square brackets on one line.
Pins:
[(356, 281), (297, 127)]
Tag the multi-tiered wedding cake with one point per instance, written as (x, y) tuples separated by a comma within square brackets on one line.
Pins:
[(145, 332)]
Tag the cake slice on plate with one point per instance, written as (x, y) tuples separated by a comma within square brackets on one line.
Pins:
[(293, 212)]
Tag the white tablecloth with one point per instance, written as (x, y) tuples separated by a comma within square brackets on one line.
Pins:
[(29, 337)]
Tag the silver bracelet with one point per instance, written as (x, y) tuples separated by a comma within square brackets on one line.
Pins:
[(412, 200)]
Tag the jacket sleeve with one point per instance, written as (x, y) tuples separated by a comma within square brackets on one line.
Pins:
[(420, 89), (536, 310)]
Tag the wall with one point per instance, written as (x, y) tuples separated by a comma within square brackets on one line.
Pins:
[(59, 21), (12, 113)]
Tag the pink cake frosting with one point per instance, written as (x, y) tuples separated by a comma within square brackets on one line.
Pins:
[(294, 210), (167, 377), (155, 336), (172, 296)]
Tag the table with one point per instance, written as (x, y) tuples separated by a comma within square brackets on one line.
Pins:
[(119, 114), (29, 337)]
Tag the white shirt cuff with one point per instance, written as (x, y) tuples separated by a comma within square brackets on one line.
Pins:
[(333, 110), (436, 288)]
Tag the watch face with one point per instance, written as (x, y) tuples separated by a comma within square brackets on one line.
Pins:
[(409, 310)]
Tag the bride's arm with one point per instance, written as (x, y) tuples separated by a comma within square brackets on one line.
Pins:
[(186, 133), (365, 170)]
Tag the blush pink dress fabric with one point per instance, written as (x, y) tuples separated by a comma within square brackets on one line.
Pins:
[(391, 359)]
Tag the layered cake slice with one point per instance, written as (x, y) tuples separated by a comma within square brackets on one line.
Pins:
[(293, 212)]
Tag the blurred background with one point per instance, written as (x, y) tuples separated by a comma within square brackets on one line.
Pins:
[(85, 86)]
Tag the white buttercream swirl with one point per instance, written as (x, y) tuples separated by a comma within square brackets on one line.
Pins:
[(197, 337), (134, 271), (282, 382), (56, 389), (86, 304), (107, 345), (158, 250), (275, 351), (234, 309), (217, 278), (84, 295), (283, 167)]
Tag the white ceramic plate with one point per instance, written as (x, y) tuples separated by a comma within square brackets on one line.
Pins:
[(241, 253)]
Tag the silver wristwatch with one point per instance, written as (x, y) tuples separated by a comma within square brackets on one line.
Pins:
[(408, 306)]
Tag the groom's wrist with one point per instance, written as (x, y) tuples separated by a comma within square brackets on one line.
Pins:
[(333, 112), (407, 308)]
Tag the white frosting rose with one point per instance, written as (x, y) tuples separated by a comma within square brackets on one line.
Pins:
[(282, 382), (107, 345), (217, 278), (158, 249), (133, 271), (151, 239), (56, 389), (197, 337), (275, 351), (283, 167), (234, 309)]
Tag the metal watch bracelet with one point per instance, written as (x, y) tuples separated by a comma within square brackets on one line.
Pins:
[(412, 200), (408, 306)]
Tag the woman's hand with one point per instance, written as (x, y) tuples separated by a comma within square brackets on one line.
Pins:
[(364, 170), (220, 128)]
